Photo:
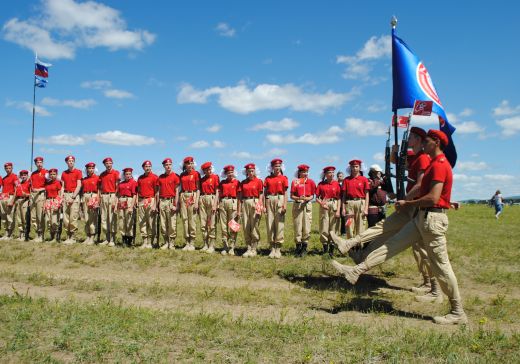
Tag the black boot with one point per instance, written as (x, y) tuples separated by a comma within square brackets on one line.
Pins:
[(331, 249), (303, 251), (325, 249), (298, 250)]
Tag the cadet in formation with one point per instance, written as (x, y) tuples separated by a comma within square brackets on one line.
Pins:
[(208, 206), (126, 206), (7, 197), (189, 202), (147, 205), (168, 191), (355, 198), (71, 179), (229, 208), (22, 195), (302, 193), (108, 183), (328, 196), (252, 207), (90, 195), (53, 205), (37, 181)]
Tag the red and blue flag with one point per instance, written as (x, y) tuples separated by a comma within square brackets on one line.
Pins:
[(41, 73)]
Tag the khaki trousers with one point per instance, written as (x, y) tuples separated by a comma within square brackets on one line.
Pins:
[(302, 221), (70, 213), (147, 218), (52, 220), (91, 215), (125, 217), (328, 221), (37, 213), (227, 211), (355, 213), (188, 216), (168, 220), (275, 220), (7, 212), (108, 201), (208, 223), (21, 204), (429, 229), (250, 222)]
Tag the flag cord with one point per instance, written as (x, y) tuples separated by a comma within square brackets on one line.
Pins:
[(33, 112)]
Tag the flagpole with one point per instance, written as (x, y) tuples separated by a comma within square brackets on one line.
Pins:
[(393, 23), (33, 111)]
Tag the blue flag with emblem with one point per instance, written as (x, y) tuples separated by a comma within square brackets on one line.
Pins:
[(412, 82)]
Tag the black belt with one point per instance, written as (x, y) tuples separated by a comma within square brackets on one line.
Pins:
[(229, 198), (354, 199), (249, 198), (433, 209), (108, 193)]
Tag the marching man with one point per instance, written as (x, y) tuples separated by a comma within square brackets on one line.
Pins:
[(37, 180), (168, 196), (53, 203), (71, 179), (23, 192), (126, 203), (252, 208), (190, 190), (147, 205), (229, 208), (208, 205), (302, 193), (10, 181), (90, 187), (108, 181)]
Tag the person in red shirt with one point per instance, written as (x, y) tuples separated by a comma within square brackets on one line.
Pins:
[(7, 200), (355, 199), (71, 179), (429, 227), (108, 181), (168, 196), (37, 201), (189, 205), (126, 203), (90, 198), (328, 196), (208, 203), (147, 205), (252, 208), (376, 196), (53, 204), (302, 192), (229, 207), (22, 194), (275, 206)]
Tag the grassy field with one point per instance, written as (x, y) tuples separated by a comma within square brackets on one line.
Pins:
[(99, 304)]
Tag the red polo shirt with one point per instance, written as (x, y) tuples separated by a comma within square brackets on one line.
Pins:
[(127, 188), (9, 182), (23, 189), (229, 188), (252, 187), (38, 179), (168, 185), (146, 185), (303, 187), (419, 163), (190, 181), (108, 181), (70, 179), (439, 170), (326, 190), (355, 187), (209, 184), (90, 183), (52, 188), (276, 185)]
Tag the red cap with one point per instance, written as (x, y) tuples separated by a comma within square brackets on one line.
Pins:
[(229, 168), (38, 159), (439, 135), (128, 169), (107, 159), (8, 164), (167, 160), (276, 161), (55, 170), (146, 163), (70, 157), (187, 160), (90, 164), (418, 131), (329, 168), (205, 165), (355, 162), (250, 166), (23, 171), (303, 167)]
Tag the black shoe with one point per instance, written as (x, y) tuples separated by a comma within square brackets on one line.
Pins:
[(298, 250), (331, 250), (303, 251), (325, 249)]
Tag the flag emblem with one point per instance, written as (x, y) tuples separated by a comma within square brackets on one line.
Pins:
[(426, 84)]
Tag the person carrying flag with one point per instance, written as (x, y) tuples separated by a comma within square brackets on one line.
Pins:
[(7, 197), (37, 201), (90, 190), (22, 194), (71, 179)]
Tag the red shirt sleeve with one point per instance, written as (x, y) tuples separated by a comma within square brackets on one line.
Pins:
[(285, 183), (293, 188), (439, 173)]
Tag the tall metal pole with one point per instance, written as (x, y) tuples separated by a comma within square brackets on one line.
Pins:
[(393, 23), (34, 111)]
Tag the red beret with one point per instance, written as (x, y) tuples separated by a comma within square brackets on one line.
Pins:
[(90, 164), (418, 131), (146, 163), (107, 159), (187, 160), (250, 166), (229, 168), (37, 159), (355, 162), (55, 170), (303, 167), (205, 165), (24, 171), (439, 135), (8, 164), (276, 161), (128, 169), (329, 168), (70, 157), (167, 160)]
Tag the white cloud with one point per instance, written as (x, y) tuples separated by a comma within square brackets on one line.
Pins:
[(214, 128), (329, 136), (97, 84), (243, 100), (468, 127), (274, 152), (281, 125), (225, 30), (472, 166), (510, 126), (117, 137), (199, 144), (61, 139), (66, 25), (218, 144), (504, 109), (459, 177), (359, 65), (27, 106), (362, 127), (504, 178), (379, 157), (77, 104), (466, 112), (118, 94)]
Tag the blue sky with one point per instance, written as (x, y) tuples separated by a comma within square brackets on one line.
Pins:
[(246, 81)]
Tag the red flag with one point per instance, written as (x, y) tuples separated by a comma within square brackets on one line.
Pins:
[(423, 108), (402, 121)]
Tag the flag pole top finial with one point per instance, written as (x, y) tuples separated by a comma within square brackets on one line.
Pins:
[(393, 22)]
